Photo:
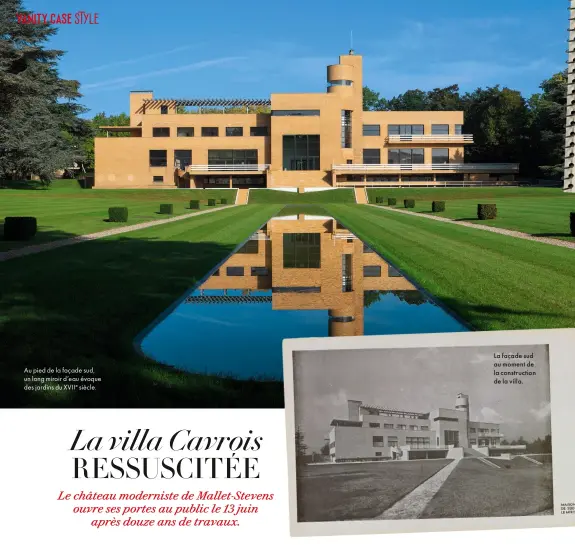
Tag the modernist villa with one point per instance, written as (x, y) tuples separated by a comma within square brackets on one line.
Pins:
[(377, 433), (293, 141)]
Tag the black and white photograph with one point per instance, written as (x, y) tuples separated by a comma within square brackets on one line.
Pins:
[(422, 433)]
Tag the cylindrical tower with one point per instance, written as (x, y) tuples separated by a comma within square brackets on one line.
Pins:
[(569, 173), (462, 404)]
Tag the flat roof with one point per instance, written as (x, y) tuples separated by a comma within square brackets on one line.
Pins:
[(119, 128), (209, 101)]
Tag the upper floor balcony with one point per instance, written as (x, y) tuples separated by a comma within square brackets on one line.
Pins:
[(510, 168), (227, 168), (430, 139)]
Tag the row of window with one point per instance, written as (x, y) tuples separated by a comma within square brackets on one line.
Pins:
[(406, 156), (484, 430), (398, 427), (183, 158), (411, 130), (209, 131), (414, 442), (239, 271)]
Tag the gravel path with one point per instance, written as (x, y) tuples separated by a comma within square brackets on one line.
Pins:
[(413, 505), (37, 248), (507, 232)]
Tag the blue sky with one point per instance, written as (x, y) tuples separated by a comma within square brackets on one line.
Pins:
[(185, 48)]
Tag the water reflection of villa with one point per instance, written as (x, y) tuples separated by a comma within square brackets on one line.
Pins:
[(308, 262)]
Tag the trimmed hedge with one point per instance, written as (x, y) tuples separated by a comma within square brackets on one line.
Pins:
[(409, 203), (572, 222), (20, 227), (224, 201), (195, 205), (486, 211), (379, 200), (118, 214), (438, 206), (211, 202), (166, 208), (391, 201)]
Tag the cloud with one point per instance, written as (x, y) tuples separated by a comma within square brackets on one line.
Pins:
[(542, 413), (137, 59), (118, 83)]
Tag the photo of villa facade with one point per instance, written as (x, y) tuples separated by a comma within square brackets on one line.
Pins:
[(291, 141), (376, 433)]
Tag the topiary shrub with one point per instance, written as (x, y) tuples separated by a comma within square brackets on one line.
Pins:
[(19, 227), (211, 202), (571, 221), (379, 200), (438, 206), (224, 201), (409, 203), (392, 201), (486, 211), (166, 208), (194, 205), (118, 214)]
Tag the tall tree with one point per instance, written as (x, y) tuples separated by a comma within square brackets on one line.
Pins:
[(371, 100), (547, 134), (39, 123), (300, 446)]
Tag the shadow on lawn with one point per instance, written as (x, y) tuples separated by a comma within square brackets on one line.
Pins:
[(565, 234), (82, 306)]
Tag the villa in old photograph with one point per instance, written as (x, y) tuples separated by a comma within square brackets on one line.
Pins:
[(376, 433), (293, 141)]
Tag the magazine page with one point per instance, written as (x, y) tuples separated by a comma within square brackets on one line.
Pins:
[(281, 271)]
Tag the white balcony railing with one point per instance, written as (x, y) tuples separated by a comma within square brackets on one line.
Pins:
[(227, 168), (451, 138), (453, 167)]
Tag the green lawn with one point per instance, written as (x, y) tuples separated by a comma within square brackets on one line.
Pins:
[(358, 491), (536, 211), (477, 490), (491, 281), (66, 210), (82, 306), (261, 196)]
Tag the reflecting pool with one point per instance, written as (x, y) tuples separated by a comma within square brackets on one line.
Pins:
[(298, 276)]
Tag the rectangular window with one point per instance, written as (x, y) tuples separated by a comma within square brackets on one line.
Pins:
[(378, 441), (458, 129), (374, 425), (378, 453), (163, 110), (158, 179), (471, 430), (259, 131), (371, 271), (260, 271), (210, 131), (158, 158), (404, 130), (388, 426), (473, 441), (346, 128), (372, 156), (440, 156), (405, 156), (295, 112), (234, 131), (371, 130), (233, 157), (250, 247), (417, 442), (393, 272), (161, 131), (234, 271), (182, 158), (413, 428), (400, 427), (439, 129), (185, 131), (424, 428), (392, 441), (302, 250), (301, 152)]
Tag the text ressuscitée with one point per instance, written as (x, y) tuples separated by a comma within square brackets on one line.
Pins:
[(236, 464)]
